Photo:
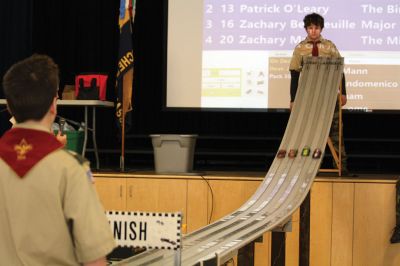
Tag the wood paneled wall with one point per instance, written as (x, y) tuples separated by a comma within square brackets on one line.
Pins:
[(351, 220)]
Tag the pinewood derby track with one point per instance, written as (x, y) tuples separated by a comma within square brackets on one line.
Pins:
[(285, 185)]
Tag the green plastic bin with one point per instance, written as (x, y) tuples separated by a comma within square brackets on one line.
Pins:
[(74, 140)]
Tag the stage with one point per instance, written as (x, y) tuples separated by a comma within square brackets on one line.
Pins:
[(351, 218)]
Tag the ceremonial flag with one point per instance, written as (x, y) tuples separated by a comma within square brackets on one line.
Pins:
[(124, 77)]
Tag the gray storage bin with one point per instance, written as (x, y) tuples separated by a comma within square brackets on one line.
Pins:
[(173, 153)]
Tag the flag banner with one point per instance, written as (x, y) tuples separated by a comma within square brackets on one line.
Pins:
[(124, 77)]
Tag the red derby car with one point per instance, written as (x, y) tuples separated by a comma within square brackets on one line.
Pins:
[(281, 154), (317, 154), (292, 153)]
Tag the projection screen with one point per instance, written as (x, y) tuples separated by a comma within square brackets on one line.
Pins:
[(236, 53)]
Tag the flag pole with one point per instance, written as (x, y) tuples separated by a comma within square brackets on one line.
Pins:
[(125, 71), (122, 158)]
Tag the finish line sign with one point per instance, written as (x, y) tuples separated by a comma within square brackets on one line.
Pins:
[(146, 229)]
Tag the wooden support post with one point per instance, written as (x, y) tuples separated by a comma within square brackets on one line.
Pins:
[(246, 255), (304, 237), (278, 248), (336, 157)]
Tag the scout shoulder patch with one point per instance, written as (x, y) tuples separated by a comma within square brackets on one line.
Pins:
[(84, 162)]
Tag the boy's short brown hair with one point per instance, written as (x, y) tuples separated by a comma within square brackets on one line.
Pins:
[(30, 86), (315, 19)]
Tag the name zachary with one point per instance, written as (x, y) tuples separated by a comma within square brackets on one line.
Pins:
[(260, 39), (261, 24)]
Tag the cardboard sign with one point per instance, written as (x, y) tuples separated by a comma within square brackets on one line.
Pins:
[(144, 229)]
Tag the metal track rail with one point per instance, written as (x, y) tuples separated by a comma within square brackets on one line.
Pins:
[(285, 185)]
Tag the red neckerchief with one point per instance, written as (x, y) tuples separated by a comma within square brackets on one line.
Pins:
[(314, 51), (23, 148)]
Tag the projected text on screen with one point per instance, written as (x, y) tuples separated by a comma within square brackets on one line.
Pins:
[(245, 48)]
